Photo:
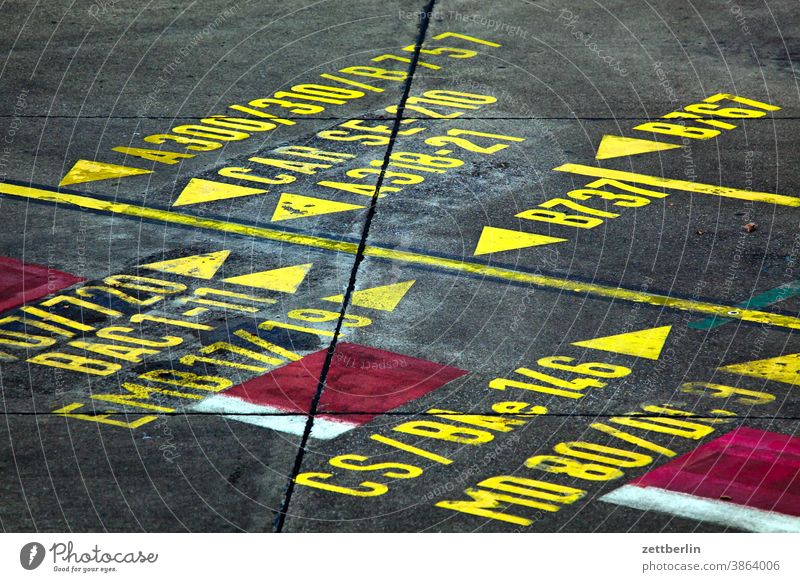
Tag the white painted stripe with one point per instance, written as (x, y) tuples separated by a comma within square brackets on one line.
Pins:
[(325, 428), (703, 509), (271, 417)]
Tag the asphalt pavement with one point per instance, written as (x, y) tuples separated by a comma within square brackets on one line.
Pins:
[(400, 266)]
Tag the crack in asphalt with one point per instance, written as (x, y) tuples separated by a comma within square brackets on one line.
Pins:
[(280, 518)]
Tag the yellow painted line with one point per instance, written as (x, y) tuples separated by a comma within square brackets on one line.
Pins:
[(614, 293), (671, 184), (588, 288), (90, 203)]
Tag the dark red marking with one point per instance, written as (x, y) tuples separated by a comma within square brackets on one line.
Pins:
[(360, 379), (22, 282), (747, 467)]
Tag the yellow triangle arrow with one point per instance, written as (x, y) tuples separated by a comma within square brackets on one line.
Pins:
[(91, 171), (497, 240), (781, 369), (615, 146), (646, 343), (198, 191), (285, 279), (385, 298), (200, 266), (295, 206)]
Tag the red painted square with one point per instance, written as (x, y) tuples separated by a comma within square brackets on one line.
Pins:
[(360, 380), (22, 282), (747, 467)]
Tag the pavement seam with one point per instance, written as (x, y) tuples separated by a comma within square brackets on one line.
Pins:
[(444, 413), (424, 18), (376, 118)]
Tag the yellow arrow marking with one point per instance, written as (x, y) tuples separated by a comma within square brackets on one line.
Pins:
[(781, 369), (285, 279), (292, 206), (615, 146), (91, 171), (198, 191), (646, 343), (497, 240), (385, 298), (203, 266)]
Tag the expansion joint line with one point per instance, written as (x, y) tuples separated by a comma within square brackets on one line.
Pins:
[(424, 18)]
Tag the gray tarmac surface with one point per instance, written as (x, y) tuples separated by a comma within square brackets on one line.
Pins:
[(185, 385)]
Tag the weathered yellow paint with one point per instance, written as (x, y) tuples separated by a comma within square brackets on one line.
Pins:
[(187, 380), (736, 395), (203, 266), (384, 298), (198, 191), (285, 279), (195, 312), (635, 440), (671, 426), (318, 481), (781, 369), (67, 411), (269, 346), (615, 146), (497, 240), (411, 258), (65, 321), (193, 359), (75, 363), (292, 206), (684, 185), (127, 353), (92, 171), (503, 490), (425, 454), (646, 343)]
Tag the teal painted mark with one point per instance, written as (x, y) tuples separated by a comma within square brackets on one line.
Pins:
[(775, 295)]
